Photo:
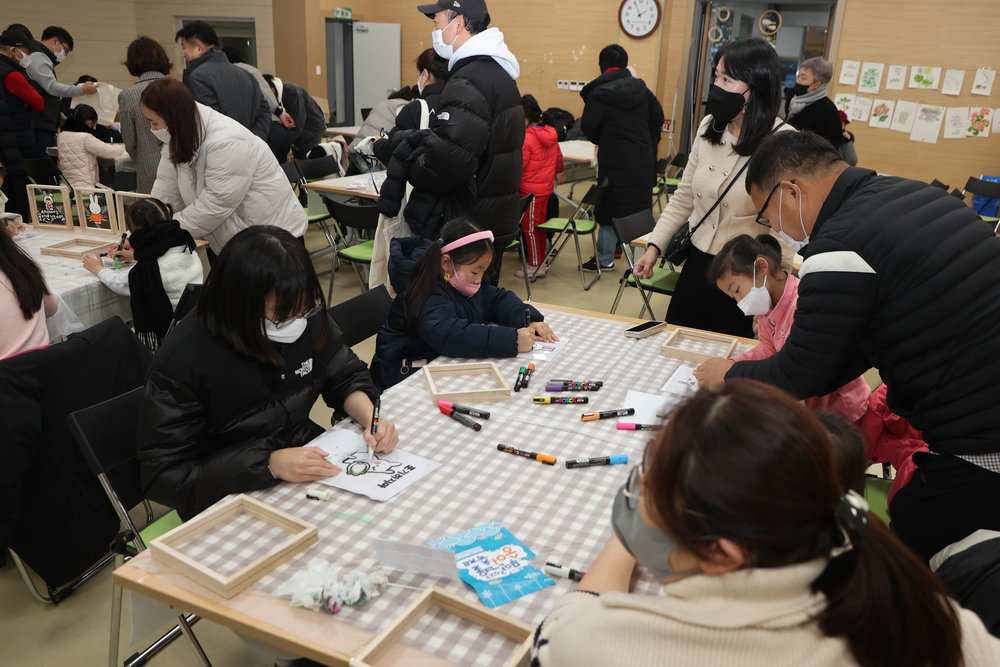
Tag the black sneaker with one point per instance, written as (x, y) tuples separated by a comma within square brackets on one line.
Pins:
[(591, 266)]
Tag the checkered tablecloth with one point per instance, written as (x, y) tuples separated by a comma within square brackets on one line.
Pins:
[(562, 515), (79, 290)]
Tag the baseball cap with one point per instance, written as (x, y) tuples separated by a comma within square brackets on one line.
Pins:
[(13, 38), (474, 9)]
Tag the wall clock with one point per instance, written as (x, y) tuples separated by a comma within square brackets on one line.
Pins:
[(639, 18)]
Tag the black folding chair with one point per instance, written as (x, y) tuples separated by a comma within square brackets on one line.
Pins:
[(360, 215), (362, 316), (581, 222), (664, 280), (106, 435)]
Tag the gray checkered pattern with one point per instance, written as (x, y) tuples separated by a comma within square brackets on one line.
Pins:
[(78, 289), (562, 515), (245, 539)]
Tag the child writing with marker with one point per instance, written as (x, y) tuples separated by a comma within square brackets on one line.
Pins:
[(749, 270), (444, 305), (165, 263)]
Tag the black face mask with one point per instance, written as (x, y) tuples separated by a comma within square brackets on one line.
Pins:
[(800, 89), (724, 105)]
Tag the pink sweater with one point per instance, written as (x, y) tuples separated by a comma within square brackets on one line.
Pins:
[(850, 401)]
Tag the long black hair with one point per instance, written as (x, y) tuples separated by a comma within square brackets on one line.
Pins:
[(24, 275), (259, 261), (425, 274), (755, 63), (77, 121), (146, 212)]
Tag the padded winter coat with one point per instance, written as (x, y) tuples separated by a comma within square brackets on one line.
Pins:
[(904, 277), (622, 116), (451, 323), (78, 153), (542, 160), (232, 183), (211, 417), (822, 118)]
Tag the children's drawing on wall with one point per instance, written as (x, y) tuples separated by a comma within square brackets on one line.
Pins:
[(844, 102), (871, 77), (956, 122), (861, 109), (381, 477), (979, 122), (983, 83), (849, 72), (896, 78), (924, 77), (882, 113), (902, 118), (927, 123), (952, 82)]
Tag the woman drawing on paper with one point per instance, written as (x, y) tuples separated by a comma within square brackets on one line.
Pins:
[(229, 393)]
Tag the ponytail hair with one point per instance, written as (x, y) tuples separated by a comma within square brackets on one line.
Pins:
[(739, 254), (146, 212), (423, 279), (781, 510)]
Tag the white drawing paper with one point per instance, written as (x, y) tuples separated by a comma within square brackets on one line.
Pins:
[(649, 408), (844, 101), (955, 122), (881, 115), (980, 119), (682, 382), (542, 351), (902, 117), (995, 127), (952, 82), (983, 83), (849, 72), (896, 78), (416, 558), (927, 123), (861, 109), (381, 478), (870, 78), (925, 77)]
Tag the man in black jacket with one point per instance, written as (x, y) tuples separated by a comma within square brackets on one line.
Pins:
[(810, 108), (470, 159), (903, 277), (623, 117), (217, 83)]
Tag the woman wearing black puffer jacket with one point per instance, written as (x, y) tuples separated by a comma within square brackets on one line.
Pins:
[(226, 406)]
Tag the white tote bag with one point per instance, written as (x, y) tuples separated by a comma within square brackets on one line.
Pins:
[(390, 228)]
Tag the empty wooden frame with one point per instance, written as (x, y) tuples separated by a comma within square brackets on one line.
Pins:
[(302, 535), (433, 596), (75, 248), (95, 211), (670, 348), (50, 206), (500, 392)]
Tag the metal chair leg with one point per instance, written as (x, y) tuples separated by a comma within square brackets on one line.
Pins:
[(142, 657), (524, 267), (116, 618), (186, 628), (579, 259)]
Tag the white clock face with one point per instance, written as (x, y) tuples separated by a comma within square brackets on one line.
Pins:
[(639, 17)]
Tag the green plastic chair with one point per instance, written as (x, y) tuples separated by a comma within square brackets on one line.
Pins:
[(361, 217), (664, 280), (877, 495), (580, 223)]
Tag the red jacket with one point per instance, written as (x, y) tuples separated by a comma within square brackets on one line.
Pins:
[(542, 160)]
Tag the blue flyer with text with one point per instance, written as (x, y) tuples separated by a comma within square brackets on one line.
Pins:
[(493, 563)]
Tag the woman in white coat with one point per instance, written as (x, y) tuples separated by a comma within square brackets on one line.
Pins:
[(216, 174)]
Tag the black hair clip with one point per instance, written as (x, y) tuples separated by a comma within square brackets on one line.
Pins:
[(852, 512)]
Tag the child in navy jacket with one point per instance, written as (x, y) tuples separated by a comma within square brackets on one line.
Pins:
[(445, 305)]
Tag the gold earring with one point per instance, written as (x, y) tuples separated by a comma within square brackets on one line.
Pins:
[(447, 276)]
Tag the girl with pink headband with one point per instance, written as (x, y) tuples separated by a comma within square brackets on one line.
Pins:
[(445, 305)]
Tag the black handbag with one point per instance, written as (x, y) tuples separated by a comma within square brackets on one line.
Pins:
[(679, 247)]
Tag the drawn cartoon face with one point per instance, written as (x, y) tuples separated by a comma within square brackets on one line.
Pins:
[(357, 464), (95, 205), (48, 202)]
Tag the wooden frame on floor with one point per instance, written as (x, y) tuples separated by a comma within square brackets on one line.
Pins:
[(500, 393), (670, 349), (433, 596), (165, 548)]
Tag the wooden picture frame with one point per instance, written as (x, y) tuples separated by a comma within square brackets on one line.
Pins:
[(165, 548), (95, 211), (433, 596), (670, 349), (123, 198), (48, 217), (499, 393), (76, 247)]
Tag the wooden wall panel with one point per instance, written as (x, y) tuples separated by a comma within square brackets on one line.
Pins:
[(924, 32)]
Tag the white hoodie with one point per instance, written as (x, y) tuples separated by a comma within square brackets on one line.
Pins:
[(488, 43)]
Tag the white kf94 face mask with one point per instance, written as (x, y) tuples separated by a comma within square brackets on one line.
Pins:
[(757, 301)]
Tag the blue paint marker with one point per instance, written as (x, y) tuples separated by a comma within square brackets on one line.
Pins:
[(598, 461)]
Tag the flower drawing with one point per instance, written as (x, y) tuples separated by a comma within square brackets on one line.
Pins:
[(881, 112), (869, 79), (979, 120)]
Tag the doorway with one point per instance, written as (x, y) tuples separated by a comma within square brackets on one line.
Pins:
[(350, 88)]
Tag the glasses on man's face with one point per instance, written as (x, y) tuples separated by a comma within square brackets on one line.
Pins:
[(760, 219), (632, 489), (315, 310)]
